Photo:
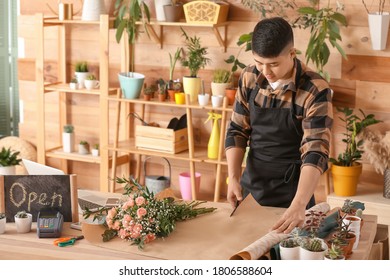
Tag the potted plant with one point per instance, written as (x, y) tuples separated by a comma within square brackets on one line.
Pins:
[(128, 13), (81, 72), (173, 11), (23, 222), (172, 64), (91, 82), (3, 221), (176, 87), (345, 169), (343, 236), (334, 253), (68, 138), (73, 83), (83, 147), (289, 248), (161, 89), (194, 59), (378, 23), (95, 150), (220, 81), (149, 92), (8, 161)]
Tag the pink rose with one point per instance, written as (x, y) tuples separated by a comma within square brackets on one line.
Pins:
[(135, 234), (116, 225), (150, 237), (140, 200), (141, 212), (111, 213), (128, 204), (137, 228)]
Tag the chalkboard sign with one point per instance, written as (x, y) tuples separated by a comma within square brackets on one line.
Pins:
[(34, 192)]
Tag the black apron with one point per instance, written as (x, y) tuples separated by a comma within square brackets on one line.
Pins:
[(273, 163)]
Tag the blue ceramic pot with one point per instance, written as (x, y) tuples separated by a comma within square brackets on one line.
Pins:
[(131, 84)]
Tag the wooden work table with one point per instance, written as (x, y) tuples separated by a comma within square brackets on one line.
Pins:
[(14, 246)]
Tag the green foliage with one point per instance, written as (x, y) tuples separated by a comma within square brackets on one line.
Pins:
[(353, 126), (74, 80), (221, 76), (172, 62), (91, 77), (324, 25), (334, 252), (68, 128), (83, 142), (312, 244), (127, 14), (96, 146), (21, 214), (81, 67), (9, 158), (195, 57), (290, 242), (150, 89)]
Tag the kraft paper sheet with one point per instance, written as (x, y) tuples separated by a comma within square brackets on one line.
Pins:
[(213, 236), (210, 236)]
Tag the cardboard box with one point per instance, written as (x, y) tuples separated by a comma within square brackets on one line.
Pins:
[(162, 140)]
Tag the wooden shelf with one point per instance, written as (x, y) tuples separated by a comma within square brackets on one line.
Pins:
[(58, 153), (53, 21), (62, 87), (158, 37)]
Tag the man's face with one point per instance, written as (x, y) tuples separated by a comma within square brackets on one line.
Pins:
[(276, 68)]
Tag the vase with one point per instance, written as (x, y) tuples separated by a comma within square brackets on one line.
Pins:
[(92, 9), (173, 13), (219, 88), (231, 95), (379, 28), (192, 86), (81, 77), (186, 186), (386, 186), (159, 6)]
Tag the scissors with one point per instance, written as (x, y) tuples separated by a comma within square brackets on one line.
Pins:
[(66, 241)]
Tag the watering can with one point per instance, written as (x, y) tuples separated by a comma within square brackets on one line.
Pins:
[(65, 11), (157, 183)]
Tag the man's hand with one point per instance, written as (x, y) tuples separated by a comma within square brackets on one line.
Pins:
[(293, 217), (234, 192)]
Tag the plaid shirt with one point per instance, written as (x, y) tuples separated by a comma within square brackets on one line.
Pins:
[(313, 105)]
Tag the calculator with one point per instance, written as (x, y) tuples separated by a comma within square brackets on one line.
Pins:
[(49, 223)]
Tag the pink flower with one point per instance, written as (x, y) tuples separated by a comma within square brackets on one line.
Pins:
[(135, 234), (116, 225), (137, 228), (150, 237), (141, 212), (128, 204), (111, 213), (140, 200), (123, 233)]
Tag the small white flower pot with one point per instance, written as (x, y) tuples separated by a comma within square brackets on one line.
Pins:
[(289, 253), (83, 149), (68, 142), (216, 101), (203, 99), (23, 225), (73, 86), (2, 225), (95, 152), (7, 170)]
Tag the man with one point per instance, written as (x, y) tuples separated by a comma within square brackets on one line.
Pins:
[(283, 111)]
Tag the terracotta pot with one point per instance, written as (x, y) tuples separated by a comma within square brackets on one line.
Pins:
[(147, 97), (162, 97), (231, 95), (171, 94)]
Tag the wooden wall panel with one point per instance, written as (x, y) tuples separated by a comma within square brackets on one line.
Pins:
[(362, 81)]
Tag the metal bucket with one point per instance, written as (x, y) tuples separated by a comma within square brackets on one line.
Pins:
[(157, 183)]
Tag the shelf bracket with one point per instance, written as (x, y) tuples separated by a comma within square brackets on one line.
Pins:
[(158, 37)]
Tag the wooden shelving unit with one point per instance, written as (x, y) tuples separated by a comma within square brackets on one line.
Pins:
[(191, 156), (63, 90)]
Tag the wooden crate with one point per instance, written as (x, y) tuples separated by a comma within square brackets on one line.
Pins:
[(159, 139)]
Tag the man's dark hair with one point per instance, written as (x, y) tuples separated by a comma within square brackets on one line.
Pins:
[(271, 36)]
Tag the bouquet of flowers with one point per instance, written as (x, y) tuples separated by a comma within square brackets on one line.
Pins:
[(142, 217)]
